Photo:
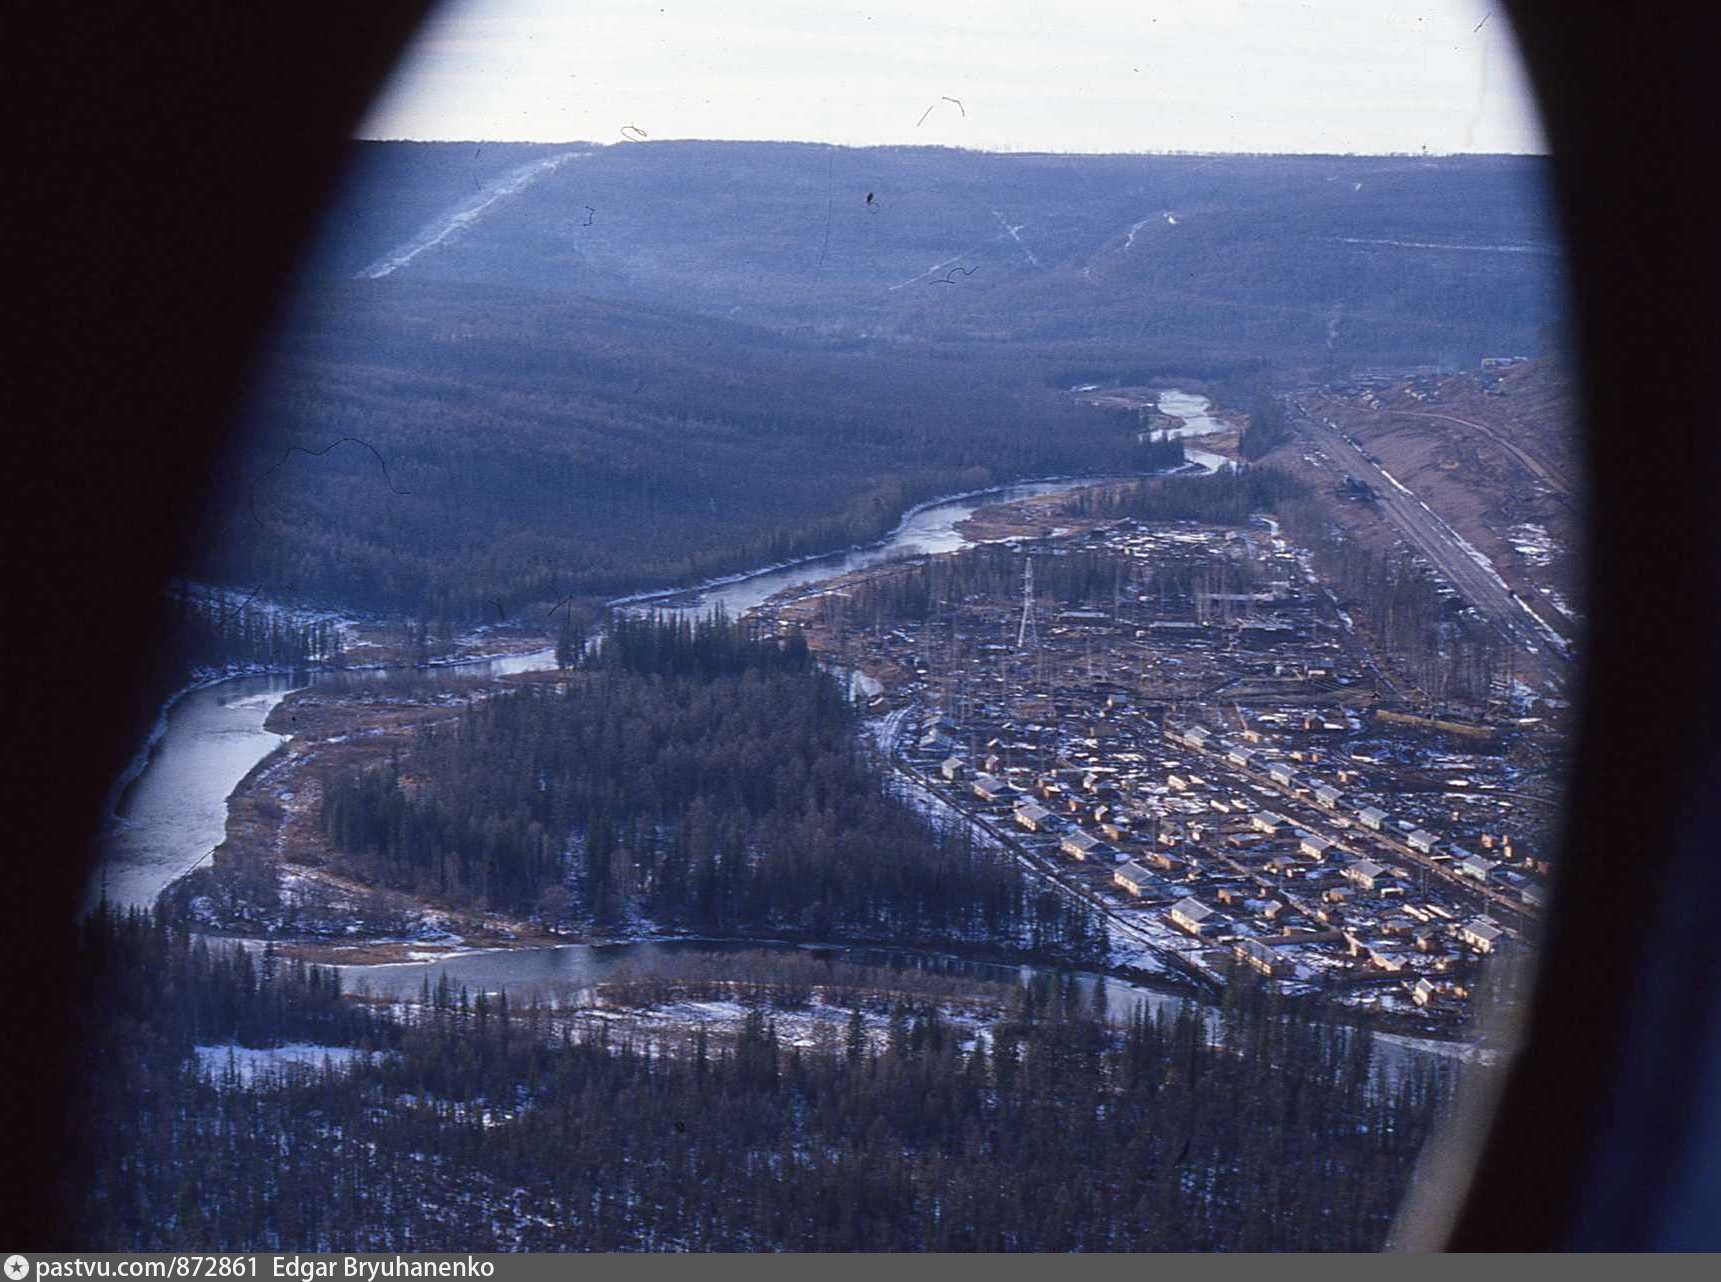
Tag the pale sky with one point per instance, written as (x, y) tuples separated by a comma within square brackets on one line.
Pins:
[(1031, 75)]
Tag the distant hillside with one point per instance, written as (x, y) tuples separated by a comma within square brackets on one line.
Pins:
[(589, 368), (1305, 260), (436, 448)]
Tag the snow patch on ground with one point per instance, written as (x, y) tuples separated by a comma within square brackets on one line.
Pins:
[(1396, 483), (252, 1062), (1533, 543), (1554, 638), (1562, 605), (1481, 561), (510, 184), (1015, 234)]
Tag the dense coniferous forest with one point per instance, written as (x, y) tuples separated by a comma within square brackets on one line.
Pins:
[(465, 1121), (1230, 497), (1266, 430), (516, 449), (695, 776), (1159, 452), (213, 632), (205, 634)]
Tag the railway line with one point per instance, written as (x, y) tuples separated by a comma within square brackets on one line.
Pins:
[(1438, 542)]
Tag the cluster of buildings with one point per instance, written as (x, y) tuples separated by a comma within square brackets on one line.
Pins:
[(1201, 752), (1423, 383), (1230, 851)]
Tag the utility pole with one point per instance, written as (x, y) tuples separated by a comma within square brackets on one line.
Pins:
[(1029, 633)]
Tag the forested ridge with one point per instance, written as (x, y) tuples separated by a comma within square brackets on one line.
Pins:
[(432, 449), (471, 1123), (667, 362), (695, 776), (1296, 259)]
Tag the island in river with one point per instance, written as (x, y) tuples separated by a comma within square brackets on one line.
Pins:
[(275, 872)]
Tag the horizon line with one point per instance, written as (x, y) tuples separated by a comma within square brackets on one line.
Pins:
[(978, 151)]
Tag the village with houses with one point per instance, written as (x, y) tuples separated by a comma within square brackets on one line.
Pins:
[(1182, 726)]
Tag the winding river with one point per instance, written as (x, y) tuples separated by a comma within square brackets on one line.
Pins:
[(929, 528), (173, 812), (1196, 415)]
